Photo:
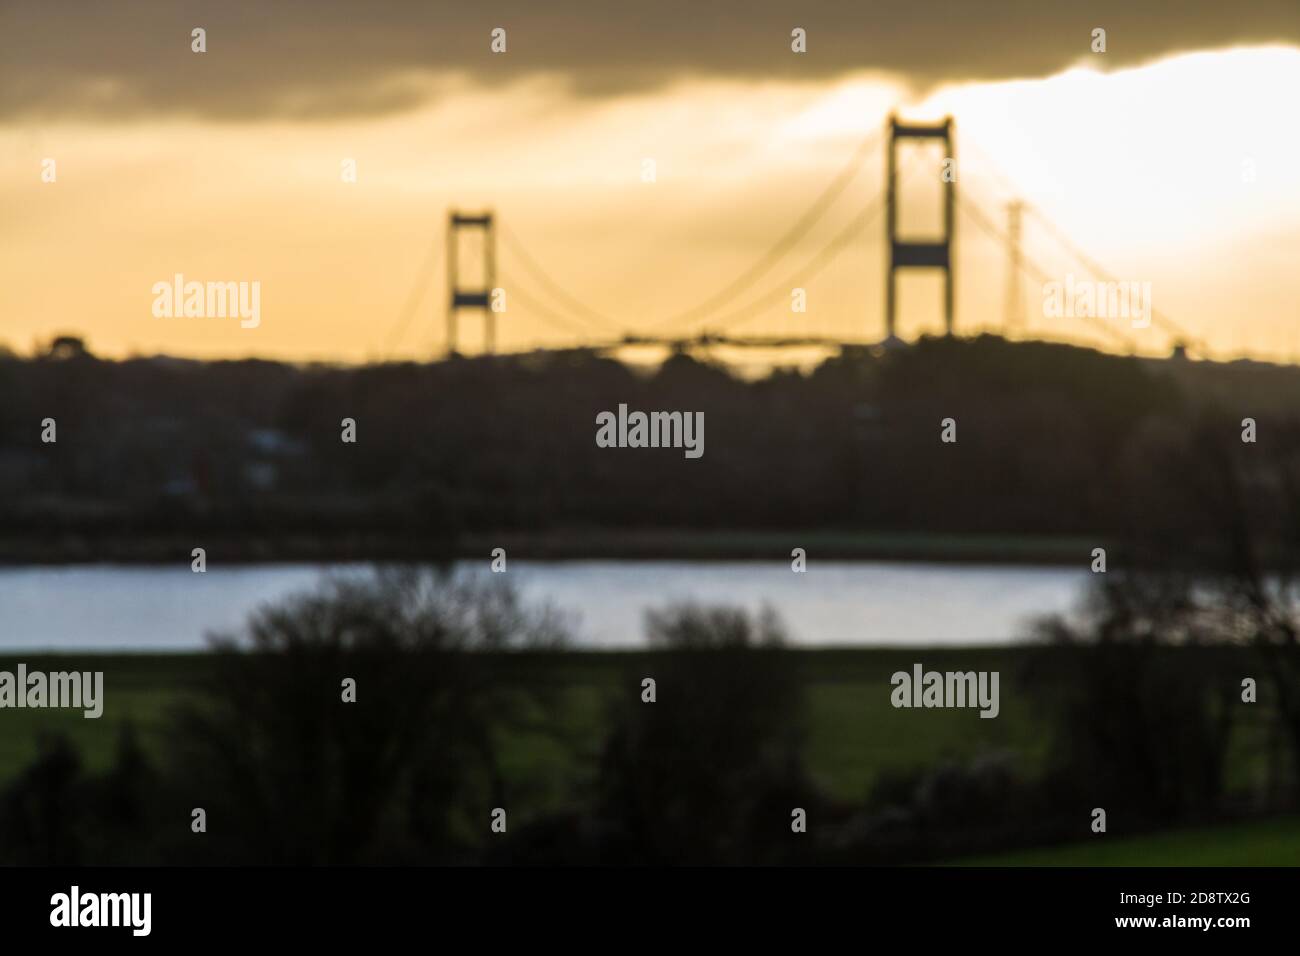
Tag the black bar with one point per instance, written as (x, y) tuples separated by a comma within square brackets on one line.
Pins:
[(442, 906)]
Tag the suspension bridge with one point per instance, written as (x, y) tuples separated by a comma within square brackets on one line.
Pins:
[(520, 284)]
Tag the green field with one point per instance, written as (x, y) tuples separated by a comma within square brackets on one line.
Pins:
[(852, 736), (1270, 842), (853, 733)]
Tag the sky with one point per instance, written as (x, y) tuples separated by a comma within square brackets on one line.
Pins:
[(1168, 160)]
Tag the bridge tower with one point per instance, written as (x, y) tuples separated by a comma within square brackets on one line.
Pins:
[(460, 298), (909, 254)]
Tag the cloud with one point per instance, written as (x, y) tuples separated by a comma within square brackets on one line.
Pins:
[(322, 59)]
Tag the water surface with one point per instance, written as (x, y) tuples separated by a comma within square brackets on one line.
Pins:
[(105, 607)]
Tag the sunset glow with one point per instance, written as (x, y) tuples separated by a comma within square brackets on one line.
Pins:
[(1157, 171)]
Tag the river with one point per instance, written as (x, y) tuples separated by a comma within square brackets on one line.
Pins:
[(128, 607)]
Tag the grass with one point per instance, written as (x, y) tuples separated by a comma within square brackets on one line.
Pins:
[(138, 688), (1240, 844), (852, 736)]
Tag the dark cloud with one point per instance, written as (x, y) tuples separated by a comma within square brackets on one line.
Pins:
[(327, 58)]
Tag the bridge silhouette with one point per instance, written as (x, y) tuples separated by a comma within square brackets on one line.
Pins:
[(519, 282)]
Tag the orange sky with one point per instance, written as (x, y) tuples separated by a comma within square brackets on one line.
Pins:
[(1179, 173)]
